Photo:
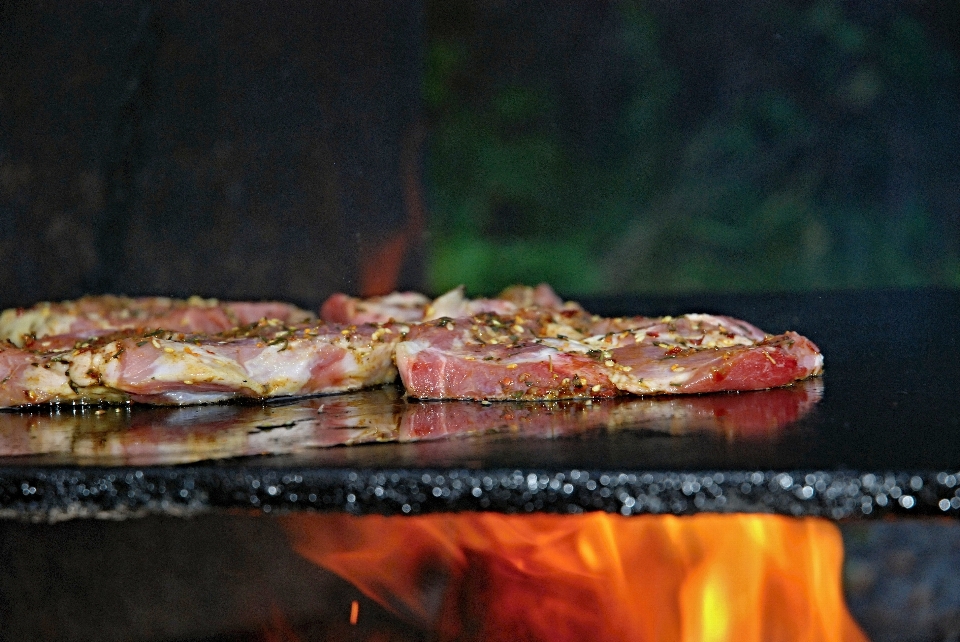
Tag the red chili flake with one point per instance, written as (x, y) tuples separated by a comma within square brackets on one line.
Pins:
[(651, 333), (674, 351)]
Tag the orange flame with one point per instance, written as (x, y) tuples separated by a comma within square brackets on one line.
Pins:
[(485, 576)]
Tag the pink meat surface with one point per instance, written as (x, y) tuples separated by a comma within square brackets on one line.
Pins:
[(688, 329), (30, 378), (541, 296), (491, 357), (398, 306), (524, 345), (99, 315), (455, 304), (411, 307), (525, 357), (770, 363), (265, 360)]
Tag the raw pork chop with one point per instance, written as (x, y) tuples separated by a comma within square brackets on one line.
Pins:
[(98, 315), (265, 360), (492, 357), (411, 307), (514, 299), (399, 306), (525, 357)]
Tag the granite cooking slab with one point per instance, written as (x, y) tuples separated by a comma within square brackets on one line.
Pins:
[(878, 434)]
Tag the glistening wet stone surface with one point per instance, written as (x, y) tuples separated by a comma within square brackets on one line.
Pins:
[(39, 494), (882, 439)]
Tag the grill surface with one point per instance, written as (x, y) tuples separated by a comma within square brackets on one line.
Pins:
[(882, 439)]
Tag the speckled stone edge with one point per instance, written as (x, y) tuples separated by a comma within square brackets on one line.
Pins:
[(43, 494)]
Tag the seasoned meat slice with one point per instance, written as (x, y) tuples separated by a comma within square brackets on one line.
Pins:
[(662, 369), (493, 357), (455, 304), (411, 307), (264, 360), (398, 306), (706, 330), (525, 357), (28, 377), (99, 315), (697, 353)]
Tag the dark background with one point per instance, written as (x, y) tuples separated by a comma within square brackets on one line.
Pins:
[(233, 149), (289, 149), (657, 146)]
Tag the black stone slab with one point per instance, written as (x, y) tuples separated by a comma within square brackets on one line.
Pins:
[(884, 439)]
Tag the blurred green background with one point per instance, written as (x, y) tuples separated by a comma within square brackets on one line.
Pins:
[(659, 147)]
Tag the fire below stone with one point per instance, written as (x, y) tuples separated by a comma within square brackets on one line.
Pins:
[(492, 577)]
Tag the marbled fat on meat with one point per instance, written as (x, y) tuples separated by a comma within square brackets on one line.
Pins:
[(265, 360), (527, 357), (496, 358), (412, 307), (398, 306), (527, 344), (697, 353), (773, 362), (99, 315)]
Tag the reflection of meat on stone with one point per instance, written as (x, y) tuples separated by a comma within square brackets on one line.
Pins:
[(144, 435)]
